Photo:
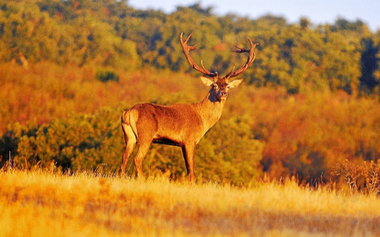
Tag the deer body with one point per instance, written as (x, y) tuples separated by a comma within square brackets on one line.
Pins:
[(179, 124), (173, 124)]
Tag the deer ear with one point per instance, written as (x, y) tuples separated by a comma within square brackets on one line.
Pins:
[(207, 81), (235, 83)]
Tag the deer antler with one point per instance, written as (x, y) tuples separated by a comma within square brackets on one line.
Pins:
[(248, 63), (186, 49)]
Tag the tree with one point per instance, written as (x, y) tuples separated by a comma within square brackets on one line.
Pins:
[(369, 64)]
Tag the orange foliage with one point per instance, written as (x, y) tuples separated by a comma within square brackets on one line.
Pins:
[(304, 134), (47, 91), (315, 131), (307, 134)]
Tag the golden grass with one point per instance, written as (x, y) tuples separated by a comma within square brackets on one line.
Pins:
[(42, 204)]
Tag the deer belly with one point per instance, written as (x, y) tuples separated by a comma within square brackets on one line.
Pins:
[(166, 141), (169, 135)]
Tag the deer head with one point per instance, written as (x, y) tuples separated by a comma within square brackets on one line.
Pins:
[(219, 85)]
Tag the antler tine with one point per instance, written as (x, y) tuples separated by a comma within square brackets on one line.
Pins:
[(249, 61), (215, 74), (186, 49)]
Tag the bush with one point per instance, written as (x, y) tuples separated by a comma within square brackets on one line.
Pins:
[(106, 75), (363, 177), (79, 142)]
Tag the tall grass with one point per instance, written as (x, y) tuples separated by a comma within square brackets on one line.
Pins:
[(44, 204)]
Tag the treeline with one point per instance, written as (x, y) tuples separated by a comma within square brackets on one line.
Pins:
[(343, 56), (309, 101)]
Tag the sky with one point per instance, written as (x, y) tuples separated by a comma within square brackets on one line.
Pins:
[(317, 11)]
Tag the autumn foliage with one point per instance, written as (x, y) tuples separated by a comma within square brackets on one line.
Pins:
[(261, 130), (69, 68)]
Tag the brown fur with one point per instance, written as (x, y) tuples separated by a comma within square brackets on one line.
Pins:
[(179, 124)]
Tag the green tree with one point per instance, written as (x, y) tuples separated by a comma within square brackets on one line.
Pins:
[(369, 64)]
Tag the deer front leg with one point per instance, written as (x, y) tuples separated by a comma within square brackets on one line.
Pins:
[(188, 154)]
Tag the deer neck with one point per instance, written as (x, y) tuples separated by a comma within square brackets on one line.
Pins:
[(210, 109)]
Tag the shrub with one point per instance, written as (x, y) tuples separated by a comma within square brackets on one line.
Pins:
[(106, 75), (360, 177), (79, 142)]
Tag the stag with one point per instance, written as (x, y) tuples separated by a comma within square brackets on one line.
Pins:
[(180, 125)]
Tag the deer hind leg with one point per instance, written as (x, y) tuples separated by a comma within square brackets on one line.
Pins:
[(130, 141), (141, 153)]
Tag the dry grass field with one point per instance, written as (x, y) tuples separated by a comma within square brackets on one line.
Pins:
[(38, 203)]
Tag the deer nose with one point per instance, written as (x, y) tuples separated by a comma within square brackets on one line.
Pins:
[(223, 93)]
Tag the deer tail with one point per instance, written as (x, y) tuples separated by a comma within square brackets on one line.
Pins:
[(125, 117), (129, 118)]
